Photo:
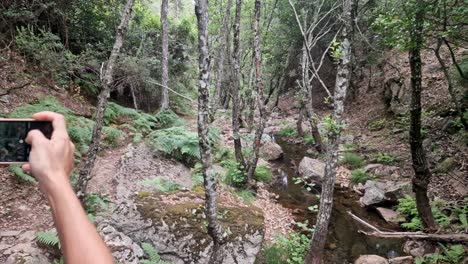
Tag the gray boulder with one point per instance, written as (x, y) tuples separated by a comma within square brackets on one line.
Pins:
[(371, 259), (377, 192), (271, 151), (311, 169), (389, 215)]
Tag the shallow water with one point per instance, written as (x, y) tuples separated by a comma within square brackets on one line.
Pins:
[(344, 242)]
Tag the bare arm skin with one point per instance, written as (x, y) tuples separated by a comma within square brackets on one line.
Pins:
[(51, 162)]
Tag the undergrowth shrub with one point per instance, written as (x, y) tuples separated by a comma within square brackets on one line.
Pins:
[(309, 140), (288, 131), (263, 173), (235, 175), (290, 249), (450, 255), (359, 176), (376, 125), (447, 217), (246, 195), (353, 160), (180, 143), (48, 239), (197, 174), (386, 158), (167, 118), (160, 184)]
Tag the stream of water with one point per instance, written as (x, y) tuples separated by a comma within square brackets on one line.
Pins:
[(344, 242)]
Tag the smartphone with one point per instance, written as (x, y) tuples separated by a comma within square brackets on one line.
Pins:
[(13, 132)]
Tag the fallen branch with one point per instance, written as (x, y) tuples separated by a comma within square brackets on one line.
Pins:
[(7, 90), (453, 238), (181, 95)]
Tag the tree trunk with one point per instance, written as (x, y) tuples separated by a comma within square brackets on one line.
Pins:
[(453, 96), (343, 74), (214, 228), (164, 104), (106, 82), (235, 88), (259, 93), (421, 170), (226, 31), (300, 131)]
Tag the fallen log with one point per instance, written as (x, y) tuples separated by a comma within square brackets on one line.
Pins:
[(452, 238)]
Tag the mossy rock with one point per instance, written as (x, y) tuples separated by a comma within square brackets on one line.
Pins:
[(181, 233)]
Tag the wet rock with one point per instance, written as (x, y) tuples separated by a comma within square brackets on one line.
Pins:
[(377, 192), (10, 233), (267, 138), (396, 95), (371, 259), (271, 151), (401, 260), (418, 248), (311, 169), (25, 253), (389, 215), (447, 165)]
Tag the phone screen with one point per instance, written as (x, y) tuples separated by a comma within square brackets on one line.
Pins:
[(13, 147)]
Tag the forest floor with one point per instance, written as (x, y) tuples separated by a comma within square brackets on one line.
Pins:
[(23, 209)]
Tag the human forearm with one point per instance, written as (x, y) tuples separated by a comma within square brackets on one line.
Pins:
[(79, 239)]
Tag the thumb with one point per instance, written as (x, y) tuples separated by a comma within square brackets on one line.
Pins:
[(35, 137)]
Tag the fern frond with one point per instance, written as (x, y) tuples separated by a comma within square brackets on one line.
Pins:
[(20, 175), (48, 238)]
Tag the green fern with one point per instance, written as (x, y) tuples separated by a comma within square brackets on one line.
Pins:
[(19, 173), (178, 142), (153, 256), (168, 118), (48, 238), (161, 184)]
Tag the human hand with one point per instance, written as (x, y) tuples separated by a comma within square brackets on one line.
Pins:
[(50, 160)]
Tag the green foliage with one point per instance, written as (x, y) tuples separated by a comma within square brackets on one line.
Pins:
[(180, 142), (160, 184), (152, 256), (353, 160), (407, 208), (452, 255), (246, 195), (235, 176), (263, 173), (288, 131), (307, 185), (21, 175), (336, 50), (309, 140), (359, 176), (168, 118), (386, 158), (112, 135), (95, 203), (331, 126), (197, 174), (377, 125), (49, 239), (290, 249)]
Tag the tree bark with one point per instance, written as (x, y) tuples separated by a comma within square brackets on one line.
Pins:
[(343, 75), (214, 228), (226, 31), (259, 93), (235, 88), (106, 82), (453, 96), (421, 170), (164, 104)]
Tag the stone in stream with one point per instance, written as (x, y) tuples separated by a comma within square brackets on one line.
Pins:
[(311, 169), (371, 259), (378, 192), (271, 151), (388, 215)]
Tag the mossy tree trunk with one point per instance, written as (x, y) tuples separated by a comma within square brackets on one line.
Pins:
[(343, 76), (164, 104), (235, 87), (106, 84), (259, 96), (422, 173), (214, 228)]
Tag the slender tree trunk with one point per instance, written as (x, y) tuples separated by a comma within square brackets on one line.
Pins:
[(106, 83), (251, 101), (421, 170), (132, 90), (226, 31), (235, 88), (453, 96), (343, 75), (300, 119), (164, 104), (259, 93), (214, 228)]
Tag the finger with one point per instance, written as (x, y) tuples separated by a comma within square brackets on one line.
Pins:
[(58, 122), (26, 167), (35, 137)]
